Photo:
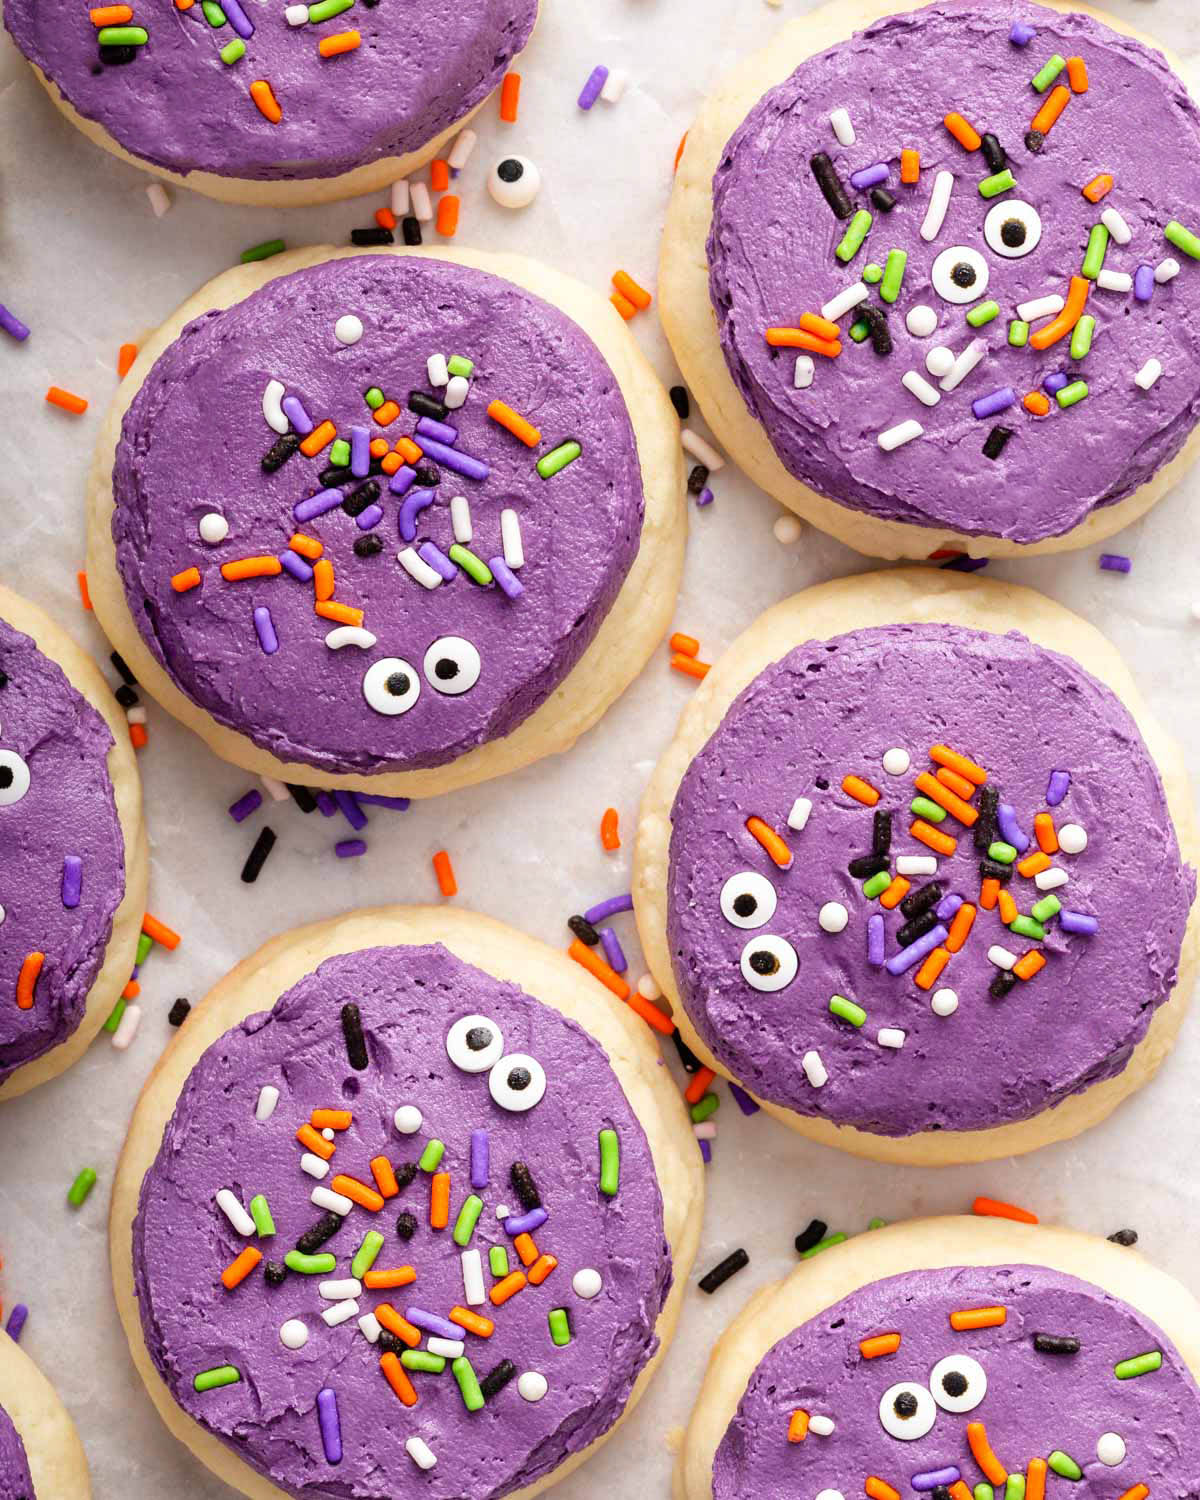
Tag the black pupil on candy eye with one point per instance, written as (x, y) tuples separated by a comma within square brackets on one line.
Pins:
[(446, 668), (954, 1383), (510, 170), (745, 905), (397, 684), (763, 962), (6, 778), (963, 274), (1013, 233), (479, 1038), (905, 1404), (519, 1078)]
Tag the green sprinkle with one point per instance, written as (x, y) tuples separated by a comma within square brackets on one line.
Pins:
[(984, 1492), (1183, 239), (1070, 394), (1062, 1463), (1001, 852), (81, 1187), (325, 10), (1139, 1364), (825, 1244), (1014, 1487), (1081, 336), (846, 1010), (893, 275), (213, 13), (707, 1105), (114, 1016), (877, 884), (143, 949), (982, 314), (459, 364), (872, 273), (339, 453), (558, 458), (210, 1380), (997, 183), (1049, 906), (560, 1328), (421, 1359), (1026, 927), (367, 1254), (233, 51), (122, 36), (860, 331), (498, 1261), (468, 1383), (876, 1223), (474, 567), (432, 1155), (374, 398), (1018, 333), (261, 1214), (468, 1217), (265, 251), (1042, 79), (924, 808), (610, 1163), (310, 1265), (1097, 248), (856, 232)]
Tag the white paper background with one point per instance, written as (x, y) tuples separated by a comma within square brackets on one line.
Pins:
[(85, 263)]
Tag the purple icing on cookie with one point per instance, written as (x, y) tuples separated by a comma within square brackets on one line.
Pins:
[(409, 1000), (772, 258), (177, 105), (1010, 1048), (16, 1483), (1031, 1403), (193, 443), (56, 804)]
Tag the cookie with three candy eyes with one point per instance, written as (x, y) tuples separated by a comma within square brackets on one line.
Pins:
[(954, 1359), (396, 521), (41, 1457), (74, 866), (929, 286), (421, 1226), (886, 876)]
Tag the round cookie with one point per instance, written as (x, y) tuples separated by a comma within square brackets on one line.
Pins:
[(238, 102), (1032, 1393), (578, 522), (73, 877), (455, 1046), (751, 234), (880, 994), (41, 1457)]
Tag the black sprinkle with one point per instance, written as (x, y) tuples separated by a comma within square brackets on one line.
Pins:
[(876, 320), (356, 1042), (123, 671), (375, 235), (302, 797), (524, 1186), (390, 1344), (918, 927), (985, 826), (583, 930), (1003, 982), (697, 479), (3, 679), (495, 1380), (883, 200), (922, 899), (863, 866), (115, 56), (279, 452), (813, 1235), (993, 445), (691, 1063), (406, 1226), (992, 869), (274, 1273), (355, 504), (822, 783), (367, 546), (881, 833), (426, 405), (257, 857), (334, 475), (1124, 1237), (1056, 1343), (178, 1013), (1034, 140), (679, 400), (405, 1173), (941, 1493), (410, 228), (324, 1229), (993, 153), (428, 476), (721, 1273), (125, 696), (833, 190)]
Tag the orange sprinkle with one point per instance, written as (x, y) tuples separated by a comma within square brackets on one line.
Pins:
[(698, 1085), (264, 96), (878, 1490), (877, 1344), (610, 836), (989, 893), (28, 978), (385, 1177), (541, 1268), (385, 218), (306, 546), (910, 166), (323, 579), (623, 305), (822, 327), (962, 1321), (994, 1208), (977, 1438), (188, 579), (251, 567), (942, 755), (1033, 864), (959, 1491), (444, 871), (526, 1249), (447, 215), (439, 1200), (689, 666), (317, 1144), (409, 451), (1035, 1477), (405, 1331), (967, 815), (111, 15), (1043, 828), (650, 1013), (510, 97), (1059, 327), (386, 414), (1056, 102), (67, 400), (960, 928), (686, 645), (895, 892), (771, 842), (1008, 907), (797, 338), (1077, 75), (963, 132), (862, 791), (957, 784), (133, 989), (473, 1322), (1137, 1492), (357, 1192), (595, 965), (679, 150), (397, 1377), (638, 295), (184, 4), (514, 422), (379, 447), (331, 1119), (798, 1426), (138, 737), (391, 463), (85, 597), (320, 437), (932, 838), (930, 971), (126, 354), (400, 1276), (505, 1289), (237, 1270), (1099, 187), (1030, 964), (343, 614), (439, 174), (1037, 403), (158, 932)]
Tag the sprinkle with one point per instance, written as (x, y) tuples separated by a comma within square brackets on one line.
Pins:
[(1138, 1364), (779, 852), (832, 188), (1166, 270), (939, 202), (839, 120), (78, 1192), (879, 1344), (1072, 394), (856, 232), (997, 183), (510, 95), (263, 96), (1049, 71), (848, 298), (891, 1036), (868, 177), (1183, 239), (1148, 374), (963, 364), (814, 1069), (995, 1209), (737, 1261), (514, 423), (444, 873), (56, 396), (964, 133), (211, 1380)]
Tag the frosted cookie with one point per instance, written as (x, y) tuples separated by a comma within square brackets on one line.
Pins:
[(279, 104), (73, 867), (422, 1226), (929, 286), (888, 870), (954, 1357), (41, 1457), (395, 521)]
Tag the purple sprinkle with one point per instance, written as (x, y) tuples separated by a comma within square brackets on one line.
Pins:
[(947, 906), (368, 518), (325, 803), (265, 627), (294, 564), (705, 497), (965, 564), (1021, 34), (1143, 283), (908, 957), (875, 936), (451, 458), (1054, 383), (1116, 562), (331, 1427), (16, 1321), (1010, 830), (317, 505), (360, 452), (72, 880), (431, 1323), (377, 799), (743, 1100), (348, 806), (510, 584), (441, 432), (402, 480), (932, 1478), (517, 1224), (1076, 921), (420, 500), (12, 325), (1056, 787), (605, 909), (480, 1158), (294, 411), (350, 848), (238, 19), (613, 951), (590, 92), (437, 560), (244, 806), (706, 1151), (998, 401), (869, 177)]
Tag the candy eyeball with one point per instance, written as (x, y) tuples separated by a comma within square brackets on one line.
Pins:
[(960, 274), (391, 686), (452, 665), (517, 1082), (769, 963), (14, 778), (1012, 228), (748, 899), (907, 1411), (958, 1383), (474, 1044), (514, 182)]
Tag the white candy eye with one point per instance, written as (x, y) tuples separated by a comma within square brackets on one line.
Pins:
[(748, 899), (1012, 228), (960, 274), (514, 182), (14, 778), (391, 686), (907, 1411), (452, 665), (958, 1383), (517, 1082), (769, 963), (474, 1044)]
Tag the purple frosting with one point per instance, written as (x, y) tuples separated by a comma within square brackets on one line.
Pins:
[(832, 708), (409, 999), (49, 731), (177, 105), (16, 1482), (1031, 1403), (771, 259), (193, 442)]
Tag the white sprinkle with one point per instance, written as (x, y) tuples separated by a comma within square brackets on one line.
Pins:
[(271, 408), (822, 1426), (614, 86), (833, 917), (896, 437), (1166, 270), (268, 1098), (1040, 307), (850, 296), (422, 204), (400, 196), (420, 1452), (890, 1036), (230, 1206), (131, 1019), (814, 1069), (3, 914), (842, 127), (160, 199), (648, 987), (456, 392), (349, 635), (447, 1348), (1003, 958), (326, 1198), (964, 364), (532, 1386), (799, 815), (510, 539), (1110, 1449), (920, 388), (275, 790), (830, 1495), (586, 1283), (136, 715), (705, 1131), (1116, 226), (943, 1002), (408, 1119), (472, 1275), (329, 1133), (460, 153), (787, 530), (939, 202), (502, 1210), (296, 15), (1114, 281), (460, 519), (916, 864), (314, 1166), (435, 367), (1072, 839), (293, 1334), (920, 320), (939, 361), (802, 377), (371, 1328), (416, 567), (1148, 374), (348, 329), (701, 451), (1051, 879), (340, 1289), (340, 1312)]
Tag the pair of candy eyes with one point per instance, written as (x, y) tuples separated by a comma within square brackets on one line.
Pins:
[(748, 900), (14, 778), (1013, 229), (908, 1409), (452, 666), (516, 1081)]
